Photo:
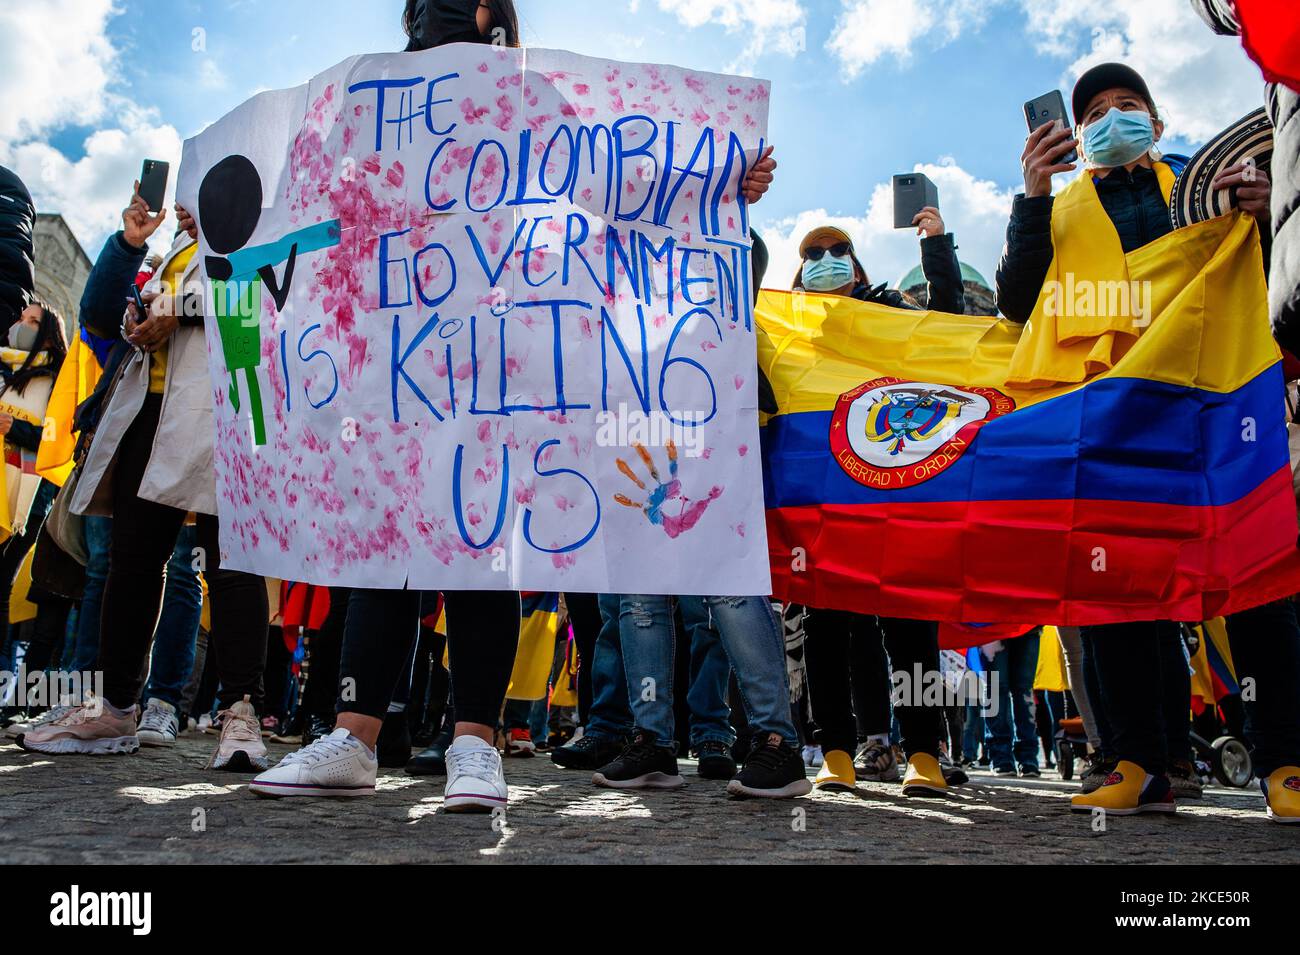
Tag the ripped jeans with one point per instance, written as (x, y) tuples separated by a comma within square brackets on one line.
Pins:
[(751, 637)]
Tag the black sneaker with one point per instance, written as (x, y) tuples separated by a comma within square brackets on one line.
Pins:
[(587, 752), (393, 748), (1184, 780), (1005, 771), (317, 727), (432, 760), (773, 770), (953, 774), (1030, 772), (641, 765), (715, 760), (1097, 772)]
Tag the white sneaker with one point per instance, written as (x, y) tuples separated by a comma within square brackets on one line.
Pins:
[(335, 765), (240, 748), (475, 782), (14, 730), (158, 726), (812, 756)]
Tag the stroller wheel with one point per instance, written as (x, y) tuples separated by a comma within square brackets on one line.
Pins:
[(1065, 758), (1232, 764)]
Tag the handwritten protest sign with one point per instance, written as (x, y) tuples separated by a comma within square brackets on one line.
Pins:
[(481, 318)]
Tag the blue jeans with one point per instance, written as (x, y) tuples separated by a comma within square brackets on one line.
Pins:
[(610, 717), (172, 659), (751, 637), (710, 672), (1014, 664), (98, 532), (972, 732)]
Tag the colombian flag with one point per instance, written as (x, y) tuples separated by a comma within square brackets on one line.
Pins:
[(538, 631), (904, 476), (1213, 673)]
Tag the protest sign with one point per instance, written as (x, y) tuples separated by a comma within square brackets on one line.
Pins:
[(481, 318)]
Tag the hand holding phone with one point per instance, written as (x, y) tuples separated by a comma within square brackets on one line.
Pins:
[(1051, 147), (913, 194), (153, 183), (141, 311)]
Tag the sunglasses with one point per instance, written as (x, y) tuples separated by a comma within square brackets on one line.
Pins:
[(839, 250)]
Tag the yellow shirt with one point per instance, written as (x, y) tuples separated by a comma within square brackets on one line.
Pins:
[(171, 280)]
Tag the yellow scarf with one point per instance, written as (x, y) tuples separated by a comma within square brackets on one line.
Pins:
[(77, 379), (1088, 313)]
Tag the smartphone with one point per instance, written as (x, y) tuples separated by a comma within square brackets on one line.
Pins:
[(153, 183), (1047, 108), (141, 313), (913, 191)]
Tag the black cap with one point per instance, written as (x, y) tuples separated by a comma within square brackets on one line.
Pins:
[(1106, 76)]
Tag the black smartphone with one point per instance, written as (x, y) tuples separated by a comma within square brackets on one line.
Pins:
[(141, 313), (1047, 108), (153, 183), (913, 191)]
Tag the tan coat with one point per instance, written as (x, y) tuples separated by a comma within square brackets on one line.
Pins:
[(180, 472)]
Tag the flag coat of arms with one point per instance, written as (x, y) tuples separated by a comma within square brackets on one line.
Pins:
[(905, 476)]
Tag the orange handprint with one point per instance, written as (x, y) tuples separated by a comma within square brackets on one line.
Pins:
[(688, 512)]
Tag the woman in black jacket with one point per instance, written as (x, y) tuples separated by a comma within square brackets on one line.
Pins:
[(830, 266), (1138, 669), (845, 653)]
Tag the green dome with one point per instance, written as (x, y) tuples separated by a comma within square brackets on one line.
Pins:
[(917, 277)]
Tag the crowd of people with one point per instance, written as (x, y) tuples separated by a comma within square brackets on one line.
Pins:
[(109, 456)]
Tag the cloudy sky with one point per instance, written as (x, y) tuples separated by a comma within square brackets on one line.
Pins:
[(862, 89)]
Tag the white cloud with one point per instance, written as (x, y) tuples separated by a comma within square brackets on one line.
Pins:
[(211, 76), (867, 30), (58, 73), (91, 191), (974, 210), (57, 62), (778, 25), (1201, 82)]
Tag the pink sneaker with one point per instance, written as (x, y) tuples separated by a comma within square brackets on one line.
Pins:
[(89, 727), (240, 749)]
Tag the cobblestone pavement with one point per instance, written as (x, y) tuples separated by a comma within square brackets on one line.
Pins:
[(146, 809)]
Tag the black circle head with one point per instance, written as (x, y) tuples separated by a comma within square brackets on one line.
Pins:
[(230, 203)]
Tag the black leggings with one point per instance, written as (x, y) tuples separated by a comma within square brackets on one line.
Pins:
[(1144, 692), (379, 638), (845, 658), (322, 660), (144, 537), (584, 616)]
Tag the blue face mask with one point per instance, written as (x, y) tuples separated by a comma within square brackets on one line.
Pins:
[(1118, 138), (827, 273)]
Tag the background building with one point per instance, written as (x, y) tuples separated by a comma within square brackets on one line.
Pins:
[(62, 267), (980, 299)]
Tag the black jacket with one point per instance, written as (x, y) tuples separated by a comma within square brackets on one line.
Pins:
[(17, 254), (942, 273), (1135, 204)]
